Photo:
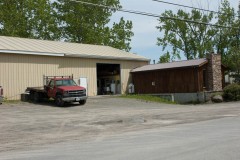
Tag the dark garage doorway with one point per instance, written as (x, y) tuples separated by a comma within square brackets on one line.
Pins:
[(108, 79)]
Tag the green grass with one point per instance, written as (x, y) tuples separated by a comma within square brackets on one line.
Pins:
[(147, 98), (216, 94), (6, 101)]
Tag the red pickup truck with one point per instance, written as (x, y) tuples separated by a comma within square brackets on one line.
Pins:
[(61, 89)]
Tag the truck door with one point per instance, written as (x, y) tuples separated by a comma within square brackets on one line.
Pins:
[(52, 89)]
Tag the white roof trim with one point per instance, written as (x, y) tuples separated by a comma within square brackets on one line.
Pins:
[(70, 55), (32, 53), (105, 57)]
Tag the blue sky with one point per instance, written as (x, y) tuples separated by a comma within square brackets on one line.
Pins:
[(144, 28)]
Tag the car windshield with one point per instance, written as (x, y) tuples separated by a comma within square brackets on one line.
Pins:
[(65, 82)]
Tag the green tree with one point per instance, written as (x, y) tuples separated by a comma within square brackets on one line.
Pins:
[(120, 35), (165, 58), (14, 18), (28, 19), (225, 38), (197, 39), (227, 41), (193, 39), (89, 24), (64, 19), (44, 21), (233, 60)]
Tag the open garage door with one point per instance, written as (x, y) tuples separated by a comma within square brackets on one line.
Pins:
[(108, 79)]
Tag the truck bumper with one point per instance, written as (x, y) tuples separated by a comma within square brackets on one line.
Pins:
[(74, 99), (1, 99)]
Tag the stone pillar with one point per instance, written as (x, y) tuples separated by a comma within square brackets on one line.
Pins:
[(214, 72)]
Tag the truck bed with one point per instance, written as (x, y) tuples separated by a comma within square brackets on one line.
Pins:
[(36, 89)]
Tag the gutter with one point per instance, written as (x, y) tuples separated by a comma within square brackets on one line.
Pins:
[(72, 55), (32, 53), (174, 68), (106, 57)]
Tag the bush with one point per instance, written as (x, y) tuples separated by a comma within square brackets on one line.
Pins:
[(217, 97), (232, 92), (216, 94)]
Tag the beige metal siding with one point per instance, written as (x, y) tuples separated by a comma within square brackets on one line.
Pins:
[(17, 72)]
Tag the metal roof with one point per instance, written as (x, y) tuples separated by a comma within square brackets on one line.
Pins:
[(177, 64), (55, 48)]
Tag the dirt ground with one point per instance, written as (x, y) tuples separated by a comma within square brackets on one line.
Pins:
[(27, 125)]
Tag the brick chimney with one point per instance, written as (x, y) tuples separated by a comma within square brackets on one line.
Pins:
[(214, 72)]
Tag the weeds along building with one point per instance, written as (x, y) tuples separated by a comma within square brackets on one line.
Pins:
[(23, 62)]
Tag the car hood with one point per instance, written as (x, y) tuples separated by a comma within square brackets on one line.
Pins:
[(71, 88)]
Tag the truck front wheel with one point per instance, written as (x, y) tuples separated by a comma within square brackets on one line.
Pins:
[(59, 101), (82, 102)]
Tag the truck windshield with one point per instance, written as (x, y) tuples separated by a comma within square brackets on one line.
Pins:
[(65, 82)]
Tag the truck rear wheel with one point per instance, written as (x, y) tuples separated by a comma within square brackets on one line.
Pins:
[(82, 102), (36, 97), (59, 102), (31, 96)]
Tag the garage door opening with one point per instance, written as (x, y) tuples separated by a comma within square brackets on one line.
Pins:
[(108, 79)]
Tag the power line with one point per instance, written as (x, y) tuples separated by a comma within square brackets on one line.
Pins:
[(149, 14), (180, 5)]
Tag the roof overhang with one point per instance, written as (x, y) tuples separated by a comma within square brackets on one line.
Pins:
[(161, 69), (169, 67), (200, 65), (106, 57), (73, 55), (174, 68), (32, 53)]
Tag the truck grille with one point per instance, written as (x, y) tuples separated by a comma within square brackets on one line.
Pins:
[(78, 93)]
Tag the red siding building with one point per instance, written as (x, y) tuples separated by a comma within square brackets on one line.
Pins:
[(190, 76)]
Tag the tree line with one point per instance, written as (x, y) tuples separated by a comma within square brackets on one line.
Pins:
[(75, 22), (194, 40), (65, 20)]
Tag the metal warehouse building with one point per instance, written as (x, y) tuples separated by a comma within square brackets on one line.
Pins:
[(23, 62)]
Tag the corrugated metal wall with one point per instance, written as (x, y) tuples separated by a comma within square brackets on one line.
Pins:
[(17, 72)]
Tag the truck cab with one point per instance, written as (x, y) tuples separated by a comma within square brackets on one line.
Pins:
[(65, 90)]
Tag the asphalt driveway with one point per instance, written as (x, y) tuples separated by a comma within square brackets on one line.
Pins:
[(26, 125)]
